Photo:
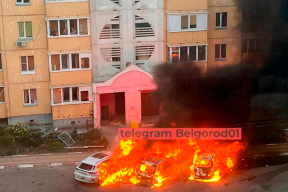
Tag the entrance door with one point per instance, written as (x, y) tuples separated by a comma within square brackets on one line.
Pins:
[(105, 112), (120, 103)]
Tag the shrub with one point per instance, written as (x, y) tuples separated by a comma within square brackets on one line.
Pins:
[(32, 139), (18, 130), (56, 146)]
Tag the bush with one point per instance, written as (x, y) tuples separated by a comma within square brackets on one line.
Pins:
[(32, 139), (56, 146), (18, 130)]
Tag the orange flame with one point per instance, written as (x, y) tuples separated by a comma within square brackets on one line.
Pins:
[(181, 158)]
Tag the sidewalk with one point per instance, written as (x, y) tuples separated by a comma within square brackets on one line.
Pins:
[(54, 159)]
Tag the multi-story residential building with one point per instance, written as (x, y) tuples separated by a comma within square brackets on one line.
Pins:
[(24, 78), (69, 62), (46, 66)]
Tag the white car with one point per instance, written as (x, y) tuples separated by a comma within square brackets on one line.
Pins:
[(88, 170)]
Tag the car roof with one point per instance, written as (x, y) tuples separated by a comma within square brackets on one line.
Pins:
[(206, 156), (97, 158), (154, 159)]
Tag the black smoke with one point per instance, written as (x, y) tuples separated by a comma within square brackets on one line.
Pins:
[(269, 19), (190, 99)]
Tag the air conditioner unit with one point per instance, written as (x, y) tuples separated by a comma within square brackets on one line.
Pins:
[(20, 43)]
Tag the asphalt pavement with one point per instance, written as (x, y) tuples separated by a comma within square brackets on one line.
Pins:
[(60, 179)]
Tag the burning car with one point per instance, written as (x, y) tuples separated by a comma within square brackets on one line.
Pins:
[(88, 170), (204, 167), (149, 170)]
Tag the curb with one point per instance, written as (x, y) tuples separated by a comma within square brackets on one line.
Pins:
[(41, 165)]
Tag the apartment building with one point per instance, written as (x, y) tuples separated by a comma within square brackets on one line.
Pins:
[(70, 62), (24, 78), (80, 62), (46, 65)]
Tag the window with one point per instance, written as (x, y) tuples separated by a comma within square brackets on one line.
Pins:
[(191, 22), (57, 96), (70, 95), (221, 20), (188, 21), (27, 63), (25, 30), (68, 27), (84, 96), (1, 61), (22, 2), (30, 97), (186, 53), (66, 94), (2, 96), (220, 51), (252, 45), (70, 62)]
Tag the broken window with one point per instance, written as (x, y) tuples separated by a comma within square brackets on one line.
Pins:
[(2, 96), (55, 62), (84, 96), (66, 94), (220, 51), (30, 97), (75, 94), (57, 96), (27, 63), (25, 30), (75, 61), (221, 20)]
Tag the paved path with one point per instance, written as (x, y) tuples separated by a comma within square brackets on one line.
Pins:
[(63, 158)]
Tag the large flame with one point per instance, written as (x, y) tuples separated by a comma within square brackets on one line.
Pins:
[(180, 161)]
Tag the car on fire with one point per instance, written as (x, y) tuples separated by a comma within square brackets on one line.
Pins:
[(205, 166), (88, 169), (149, 168)]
